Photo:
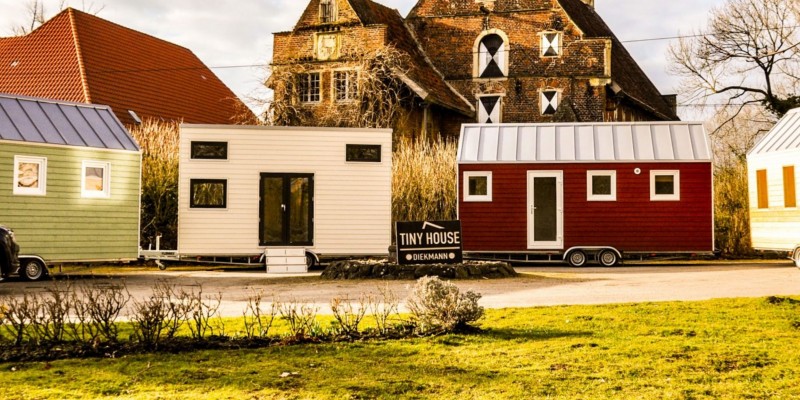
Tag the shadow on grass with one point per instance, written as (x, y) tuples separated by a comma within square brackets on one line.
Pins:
[(531, 334)]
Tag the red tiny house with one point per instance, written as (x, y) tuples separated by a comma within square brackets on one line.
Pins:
[(557, 187)]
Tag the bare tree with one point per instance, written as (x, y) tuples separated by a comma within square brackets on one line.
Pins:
[(37, 14), (747, 56)]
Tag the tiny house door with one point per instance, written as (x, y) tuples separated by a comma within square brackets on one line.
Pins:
[(545, 210), (286, 210)]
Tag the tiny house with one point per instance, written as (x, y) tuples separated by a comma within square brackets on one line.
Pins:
[(772, 186), (69, 180), (584, 191), (252, 190)]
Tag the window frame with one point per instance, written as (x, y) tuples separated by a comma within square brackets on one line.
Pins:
[(558, 49), (105, 193), (542, 100), (477, 197), (676, 185), (590, 196), (505, 59), (332, 16), (353, 146), (192, 144), (305, 87), (351, 85), (41, 190), (498, 106), (197, 181)]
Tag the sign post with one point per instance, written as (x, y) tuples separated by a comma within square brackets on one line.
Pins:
[(429, 242)]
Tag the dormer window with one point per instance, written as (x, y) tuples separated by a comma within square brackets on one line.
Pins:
[(491, 55), (551, 44), (549, 100), (327, 11)]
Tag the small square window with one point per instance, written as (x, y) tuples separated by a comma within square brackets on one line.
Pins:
[(30, 176), (363, 153), (601, 185), (208, 193), (209, 150), (551, 44), (96, 179), (477, 186), (549, 100), (665, 185), (345, 85), (309, 87)]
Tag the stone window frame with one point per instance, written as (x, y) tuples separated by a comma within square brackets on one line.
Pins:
[(332, 14), (350, 96), (559, 50), (305, 88), (542, 98), (476, 73)]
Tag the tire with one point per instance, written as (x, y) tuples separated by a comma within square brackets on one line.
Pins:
[(576, 258), (311, 261), (796, 258), (32, 269), (608, 258)]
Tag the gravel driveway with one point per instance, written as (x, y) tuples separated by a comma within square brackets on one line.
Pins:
[(536, 286)]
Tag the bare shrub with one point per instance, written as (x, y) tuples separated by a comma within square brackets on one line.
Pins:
[(54, 312), (300, 317), (383, 307), (150, 317), (97, 309), (258, 318), (19, 316), (201, 311), (348, 315), (439, 306)]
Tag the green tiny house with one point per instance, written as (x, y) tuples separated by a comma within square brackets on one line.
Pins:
[(69, 180)]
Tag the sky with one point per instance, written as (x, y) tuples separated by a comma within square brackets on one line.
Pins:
[(234, 37)]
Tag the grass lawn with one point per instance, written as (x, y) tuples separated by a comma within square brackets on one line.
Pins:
[(740, 348)]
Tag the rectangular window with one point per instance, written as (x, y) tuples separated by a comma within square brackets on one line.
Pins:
[(96, 179), (665, 185), (789, 192), (551, 44), (345, 85), (549, 100), (309, 87), (327, 11), (208, 193), (489, 109), (363, 152), (477, 186), (209, 150), (30, 176), (601, 185), (761, 188)]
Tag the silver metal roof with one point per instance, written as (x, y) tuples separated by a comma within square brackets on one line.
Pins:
[(785, 135), (35, 120), (583, 142)]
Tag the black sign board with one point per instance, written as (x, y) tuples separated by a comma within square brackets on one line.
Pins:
[(429, 242)]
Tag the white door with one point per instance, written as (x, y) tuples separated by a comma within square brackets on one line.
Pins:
[(546, 210)]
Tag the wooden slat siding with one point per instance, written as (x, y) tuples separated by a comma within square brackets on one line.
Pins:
[(61, 226), (776, 227), (762, 187), (632, 223), (352, 201), (789, 191)]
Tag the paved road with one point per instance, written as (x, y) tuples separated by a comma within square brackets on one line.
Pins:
[(537, 286)]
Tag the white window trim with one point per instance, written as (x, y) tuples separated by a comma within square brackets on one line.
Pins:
[(478, 198), (307, 75), (500, 102), (676, 174), (558, 49), (96, 194), (476, 73), (24, 191), (352, 72), (590, 185)]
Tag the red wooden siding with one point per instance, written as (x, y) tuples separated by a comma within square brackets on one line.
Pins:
[(632, 223)]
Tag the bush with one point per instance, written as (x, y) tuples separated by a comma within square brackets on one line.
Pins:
[(439, 306)]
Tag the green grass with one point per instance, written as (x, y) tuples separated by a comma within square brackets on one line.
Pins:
[(740, 348)]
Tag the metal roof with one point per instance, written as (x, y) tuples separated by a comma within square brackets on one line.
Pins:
[(785, 135), (583, 142), (35, 120)]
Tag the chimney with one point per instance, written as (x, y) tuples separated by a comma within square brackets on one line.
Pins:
[(589, 3)]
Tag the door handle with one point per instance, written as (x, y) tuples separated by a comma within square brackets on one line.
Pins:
[(283, 207)]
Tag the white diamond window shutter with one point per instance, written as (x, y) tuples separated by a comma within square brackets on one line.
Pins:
[(492, 57), (551, 43), (489, 110), (549, 102)]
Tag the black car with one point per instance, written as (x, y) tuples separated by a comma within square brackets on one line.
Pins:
[(11, 263)]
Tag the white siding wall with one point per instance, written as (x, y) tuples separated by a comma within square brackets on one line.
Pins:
[(776, 227), (352, 201)]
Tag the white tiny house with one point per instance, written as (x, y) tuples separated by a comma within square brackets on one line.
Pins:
[(246, 189), (772, 183)]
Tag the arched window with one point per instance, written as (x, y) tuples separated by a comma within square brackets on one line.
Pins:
[(491, 55)]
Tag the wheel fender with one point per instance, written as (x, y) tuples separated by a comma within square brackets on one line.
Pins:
[(591, 250), (312, 254)]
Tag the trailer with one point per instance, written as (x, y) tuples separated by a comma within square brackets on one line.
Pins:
[(772, 187), (286, 196), (581, 192)]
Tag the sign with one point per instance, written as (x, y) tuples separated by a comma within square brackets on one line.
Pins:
[(429, 242)]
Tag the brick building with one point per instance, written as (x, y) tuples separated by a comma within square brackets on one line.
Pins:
[(470, 60)]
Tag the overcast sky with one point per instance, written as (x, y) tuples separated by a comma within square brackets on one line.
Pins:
[(226, 34)]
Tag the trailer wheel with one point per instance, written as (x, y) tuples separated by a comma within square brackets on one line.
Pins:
[(32, 269), (607, 258), (311, 261), (576, 258), (796, 257)]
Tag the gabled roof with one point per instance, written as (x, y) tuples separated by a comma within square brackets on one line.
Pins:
[(35, 120), (79, 57), (422, 77), (784, 136), (584, 142), (625, 72)]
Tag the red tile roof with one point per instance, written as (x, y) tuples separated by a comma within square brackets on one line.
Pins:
[(79, 57)]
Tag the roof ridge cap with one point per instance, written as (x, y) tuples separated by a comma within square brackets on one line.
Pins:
[(81, 66)]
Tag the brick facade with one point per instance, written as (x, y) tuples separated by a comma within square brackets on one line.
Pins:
[(587, 75)]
